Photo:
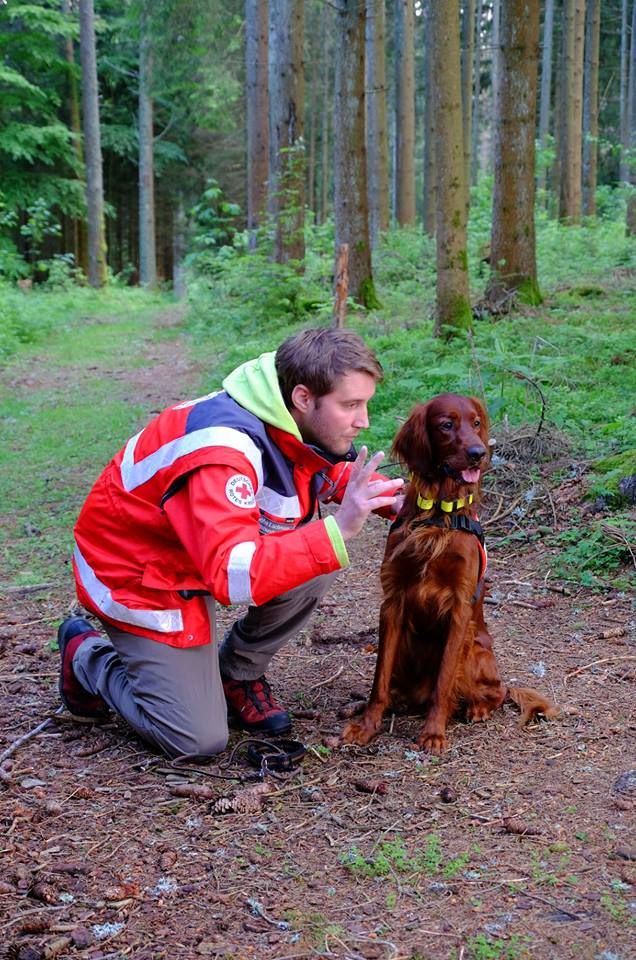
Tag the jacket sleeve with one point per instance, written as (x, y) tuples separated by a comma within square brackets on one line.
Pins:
[(236, 562)]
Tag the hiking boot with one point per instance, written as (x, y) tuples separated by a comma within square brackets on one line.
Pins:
[(252, 706), (76, 699)]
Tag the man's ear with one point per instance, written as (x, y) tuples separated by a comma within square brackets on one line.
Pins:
[(301, 397)]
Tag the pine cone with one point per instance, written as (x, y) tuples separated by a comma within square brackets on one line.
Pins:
[(245, 801)]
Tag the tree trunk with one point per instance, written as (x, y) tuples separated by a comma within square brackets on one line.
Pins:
[(623, 87), (179, 249), (326, 110), (468, 54), (570, 204), (590, 106), (512, 248), (405, 113), (311, 160), (430, 180), (256, 42), (495, 68), (453, 298), (474, 127), (78, 228), (377, 136), (546, 84), (92, 148), (147, 236), (350, 162), (630, 224), (286, 129)]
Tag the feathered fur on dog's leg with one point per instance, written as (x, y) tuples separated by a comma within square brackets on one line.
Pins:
[(531, 703)]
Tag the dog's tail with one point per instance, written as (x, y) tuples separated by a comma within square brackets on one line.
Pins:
[(532, 703)]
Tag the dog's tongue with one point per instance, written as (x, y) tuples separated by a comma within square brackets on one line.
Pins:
[(470, 476)]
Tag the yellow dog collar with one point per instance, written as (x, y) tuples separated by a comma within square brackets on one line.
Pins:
[(446, 505)]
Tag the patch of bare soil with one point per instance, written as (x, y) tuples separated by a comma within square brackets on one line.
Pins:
[(518, 842)]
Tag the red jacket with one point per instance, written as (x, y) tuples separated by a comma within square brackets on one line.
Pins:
[(208, 498)]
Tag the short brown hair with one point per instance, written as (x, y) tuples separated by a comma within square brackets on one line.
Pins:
[(318, 357)]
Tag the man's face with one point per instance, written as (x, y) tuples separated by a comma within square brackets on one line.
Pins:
[(333, 421)]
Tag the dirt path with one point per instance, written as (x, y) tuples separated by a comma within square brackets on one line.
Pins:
[(517, 843)]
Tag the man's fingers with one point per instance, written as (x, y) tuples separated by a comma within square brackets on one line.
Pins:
[(360, 471), (379, 487), (376, 503), (358, 463)]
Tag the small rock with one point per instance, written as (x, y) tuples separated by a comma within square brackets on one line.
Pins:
[(625, 853), (28, 783), (82, 937), (626, 783)]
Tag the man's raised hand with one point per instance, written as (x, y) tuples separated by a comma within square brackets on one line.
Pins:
[(364, 494)]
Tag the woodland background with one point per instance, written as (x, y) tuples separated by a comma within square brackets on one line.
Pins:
[(139, 140)]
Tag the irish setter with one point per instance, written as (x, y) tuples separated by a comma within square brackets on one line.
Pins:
[(435, 651)]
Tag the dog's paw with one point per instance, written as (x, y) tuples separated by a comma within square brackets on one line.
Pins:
[(360, 731), (478, 712), (434, 743)]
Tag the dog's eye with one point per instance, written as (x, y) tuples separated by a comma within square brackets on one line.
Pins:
[(477, 422), (447, 425)]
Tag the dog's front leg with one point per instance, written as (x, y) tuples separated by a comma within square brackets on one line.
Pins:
[(433, 734), (363, 730)]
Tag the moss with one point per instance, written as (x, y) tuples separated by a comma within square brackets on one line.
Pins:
[(528, 292), (367, 295), (458, 317), (607, 473)]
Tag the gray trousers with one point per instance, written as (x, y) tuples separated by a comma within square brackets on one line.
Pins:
[(173, 697)]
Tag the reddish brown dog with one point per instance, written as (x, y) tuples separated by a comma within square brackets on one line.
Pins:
[(435, 652)]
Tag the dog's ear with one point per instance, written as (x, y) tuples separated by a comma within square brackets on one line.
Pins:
[(483, 416), (412, 444)]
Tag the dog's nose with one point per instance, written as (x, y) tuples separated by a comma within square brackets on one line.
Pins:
[(476, 453)]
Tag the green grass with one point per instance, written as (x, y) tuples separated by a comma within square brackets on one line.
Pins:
[(61, 422)]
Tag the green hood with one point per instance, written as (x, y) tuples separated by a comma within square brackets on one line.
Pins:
[(255, 386)]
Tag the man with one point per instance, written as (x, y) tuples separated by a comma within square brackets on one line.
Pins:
[(211, 502)]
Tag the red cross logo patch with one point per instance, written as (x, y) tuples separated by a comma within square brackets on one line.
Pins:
[(240, 492)]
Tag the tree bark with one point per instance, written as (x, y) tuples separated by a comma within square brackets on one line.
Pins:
[(512, 248), (377, 135), (147, 237), (468, 54), (80, 251), (286, 129), (623, 87), (92, 148), (311, 159), (453, 299), (430, 180), (630, 222), (546, 83), (350, 165), (326, 112), (474, 135), (405, 113), (179, 249), (256, 43), (570, 204), (590, 106), (495, 67)]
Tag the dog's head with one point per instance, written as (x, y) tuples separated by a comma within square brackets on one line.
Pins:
[(446, 437)]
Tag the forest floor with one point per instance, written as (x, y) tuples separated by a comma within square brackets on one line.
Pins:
[(517, 842)]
